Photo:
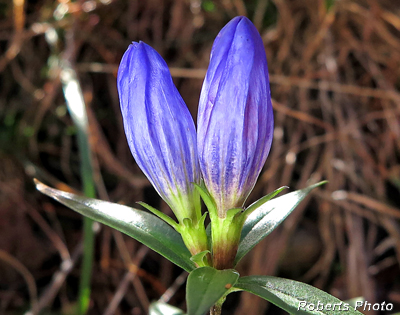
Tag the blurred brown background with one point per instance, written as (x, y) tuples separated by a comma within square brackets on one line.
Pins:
[(335, 78)]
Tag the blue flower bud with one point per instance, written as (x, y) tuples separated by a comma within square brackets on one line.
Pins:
[(159, 129), (235, 117)]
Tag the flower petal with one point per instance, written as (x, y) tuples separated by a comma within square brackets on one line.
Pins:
[(235, 118), (159, 128)]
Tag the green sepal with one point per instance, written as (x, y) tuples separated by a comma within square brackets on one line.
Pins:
[(201, 258), (187, 223), (159, 214), (233, 213), (207, 199), (203, 219), (194, 236)]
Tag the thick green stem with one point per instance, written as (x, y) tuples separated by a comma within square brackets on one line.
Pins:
[(217, 308), (225, 238)]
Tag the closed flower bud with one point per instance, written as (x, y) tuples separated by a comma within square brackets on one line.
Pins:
[(159, 129), (235, 118)]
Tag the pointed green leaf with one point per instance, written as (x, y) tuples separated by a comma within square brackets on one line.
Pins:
[(205, 286), (142, 226), (295, 297), (267, 217), (262, 200), (160, 308)]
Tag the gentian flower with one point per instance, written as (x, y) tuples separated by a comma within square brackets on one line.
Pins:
[(159, 129), (235, 118), (235, 125)]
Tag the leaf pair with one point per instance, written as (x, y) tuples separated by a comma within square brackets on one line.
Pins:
[(162, 238), (207, 285)]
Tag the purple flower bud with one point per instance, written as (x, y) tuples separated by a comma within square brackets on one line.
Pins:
[(235, 118), (159, 128)]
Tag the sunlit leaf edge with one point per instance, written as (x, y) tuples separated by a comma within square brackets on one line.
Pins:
[(263, 220), (287, 294), (140, 225)]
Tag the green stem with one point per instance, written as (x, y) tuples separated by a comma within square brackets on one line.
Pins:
[(88, 233), (225, 238), (76, 106), (217, 308), (87, 261)]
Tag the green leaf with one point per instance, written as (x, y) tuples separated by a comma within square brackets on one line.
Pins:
[(254, 206), (142, 226), (205, 286), (295, 297), (267, 217), (160, 308)]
